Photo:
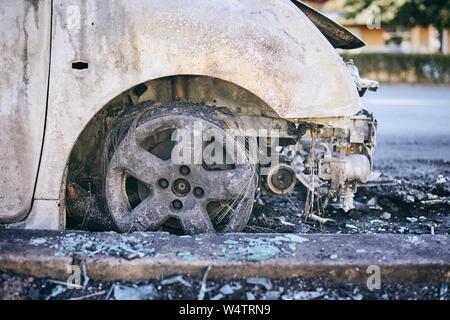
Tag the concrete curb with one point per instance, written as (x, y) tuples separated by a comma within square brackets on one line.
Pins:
[(402, 259)]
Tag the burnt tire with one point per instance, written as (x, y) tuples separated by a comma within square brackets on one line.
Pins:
[(164, 172)]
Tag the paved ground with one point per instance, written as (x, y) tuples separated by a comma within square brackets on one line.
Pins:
[(413, 122), (237, 265)]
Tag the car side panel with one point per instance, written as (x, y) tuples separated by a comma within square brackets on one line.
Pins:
[(24, 67), (268, 47)]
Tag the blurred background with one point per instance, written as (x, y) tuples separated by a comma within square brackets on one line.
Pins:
[(408, 52), (398, 26)]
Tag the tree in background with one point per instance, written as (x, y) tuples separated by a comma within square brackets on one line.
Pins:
[(408, 13)]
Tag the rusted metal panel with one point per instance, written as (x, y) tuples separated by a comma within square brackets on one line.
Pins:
[(25, 42)]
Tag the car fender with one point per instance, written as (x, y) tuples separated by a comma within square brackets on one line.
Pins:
[(102, 48)]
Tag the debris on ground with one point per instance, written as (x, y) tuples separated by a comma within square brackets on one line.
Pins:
[(218, 296), (56, 292), (227, 289), (262, 248), (264, 282), (303, 295), (176, 279), (443, 291), (250, 296), (414, 201), (88, 245), (23, 287), (186, 255), (386, 216), (271, 295), (147, 292), (203, 288)]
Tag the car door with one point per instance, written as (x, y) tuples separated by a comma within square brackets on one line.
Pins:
[(25, 28)]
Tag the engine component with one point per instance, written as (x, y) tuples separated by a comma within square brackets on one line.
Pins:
[(344, 172), (363, 84), (342, 169), (336, 156), (281, 179)]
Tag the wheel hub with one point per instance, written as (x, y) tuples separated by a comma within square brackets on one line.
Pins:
[(181, 187)]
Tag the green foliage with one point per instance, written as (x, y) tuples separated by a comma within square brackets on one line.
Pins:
[(398, 67), (405, 12)]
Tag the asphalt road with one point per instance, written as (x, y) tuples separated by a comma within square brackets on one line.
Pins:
[(413, 122)]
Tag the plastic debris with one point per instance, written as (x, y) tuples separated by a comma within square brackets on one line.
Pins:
[(409, 199), (229, 290), (351, 226), (147, 292), (218, 296), (88, 245), (89, 296), (177, 279), (201, 294), (372, 202), (130, 253), (334, 256), (231, 242), (319, 219), (272, 295), (252, 249), (402, 230), (250, 296), (415, 240), (284, 222), (38, 241), (186, 255), (66, 284), (85, 275), (386, 216), (266, 283), (307, 295), (111, 290), (303, 295), (358, 296), (56, 291), (291, 238), (441, 180), (257, 249), (443, 291), (226, 290)]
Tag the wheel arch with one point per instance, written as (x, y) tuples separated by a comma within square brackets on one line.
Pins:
[(184, 88)]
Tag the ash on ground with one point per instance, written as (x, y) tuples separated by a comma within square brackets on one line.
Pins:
[(15, 287), (407, 197), (403, 197)]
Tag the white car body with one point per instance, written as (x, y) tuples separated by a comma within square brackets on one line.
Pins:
[(270, 48)]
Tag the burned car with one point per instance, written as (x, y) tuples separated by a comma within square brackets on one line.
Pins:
[(116, 115)]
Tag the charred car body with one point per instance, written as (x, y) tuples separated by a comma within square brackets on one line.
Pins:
[(95, 96)]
